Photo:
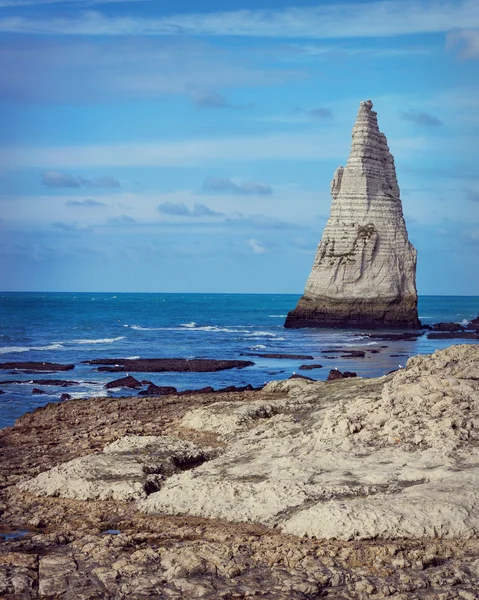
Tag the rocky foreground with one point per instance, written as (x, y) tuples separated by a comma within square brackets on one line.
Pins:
[(352, 488)]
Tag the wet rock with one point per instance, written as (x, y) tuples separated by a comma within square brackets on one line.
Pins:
[(458, 335), (447, 327), (35, 367), (335, 374), (1, 392), (158, 390), (276, 355), (158, 365), (235, 388), (298, 376), (394, 337), (354, 354), (124, 382), (474, 324), (310, 367), (53, 382), (38, 392), (65, 397)]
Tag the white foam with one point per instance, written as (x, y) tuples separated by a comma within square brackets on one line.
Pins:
[(362, 344), (189, 327), (464, 322), (262, 334), (258, 347), (277, 316), (100, 341), (13, 349)]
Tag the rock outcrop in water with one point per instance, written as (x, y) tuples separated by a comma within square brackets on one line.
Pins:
[(364, 273)]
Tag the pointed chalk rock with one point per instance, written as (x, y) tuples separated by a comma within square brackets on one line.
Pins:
[(364, 273)]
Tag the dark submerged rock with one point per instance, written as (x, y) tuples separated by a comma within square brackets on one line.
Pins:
[(35, 367), (395, 337), (474, 324), (310, 367), (276, 355), (158, 365), (452, 335), (55, 382), (447, 327), (38, 392)]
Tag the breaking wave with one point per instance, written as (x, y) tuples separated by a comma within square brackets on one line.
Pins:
[(100, 341), (13, 349)]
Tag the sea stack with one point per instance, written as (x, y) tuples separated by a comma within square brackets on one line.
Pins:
[(364, 272)]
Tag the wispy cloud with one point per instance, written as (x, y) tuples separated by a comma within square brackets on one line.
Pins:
[(256, 246), (465, 43), (56, 179), (472, 195), (74, 226), (88, 203), (88, 70), (121, 220), (333, 20), (223, 184), (20, 3), (421, 118), (205, 98), (179, 209), (319, 113)]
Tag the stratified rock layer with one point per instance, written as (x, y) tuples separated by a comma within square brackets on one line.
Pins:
[(364, 273)]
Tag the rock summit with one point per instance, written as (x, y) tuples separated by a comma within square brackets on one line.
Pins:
[(364, 272)]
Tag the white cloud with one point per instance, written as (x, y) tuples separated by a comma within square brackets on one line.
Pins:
[(465, 42), (333, 20), (256, 246)]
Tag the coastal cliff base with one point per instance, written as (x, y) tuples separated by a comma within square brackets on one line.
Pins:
[(378, 313)]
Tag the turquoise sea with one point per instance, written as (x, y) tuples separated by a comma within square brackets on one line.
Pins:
[(72, 327)]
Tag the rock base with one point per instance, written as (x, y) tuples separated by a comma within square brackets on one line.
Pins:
[(355, 312)]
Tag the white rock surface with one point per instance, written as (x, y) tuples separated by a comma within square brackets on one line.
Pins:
[(396, 456), (364, 272), (127, 469)]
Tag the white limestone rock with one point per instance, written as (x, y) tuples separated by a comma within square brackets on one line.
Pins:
[(127, 469), (364, 273), (396, 456)]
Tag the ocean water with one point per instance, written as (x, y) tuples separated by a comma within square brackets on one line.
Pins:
[(73, 327)]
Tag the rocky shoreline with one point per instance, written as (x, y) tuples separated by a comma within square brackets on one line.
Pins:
[(353, 488)]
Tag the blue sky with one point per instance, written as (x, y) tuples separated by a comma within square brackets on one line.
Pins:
[(187, 147)]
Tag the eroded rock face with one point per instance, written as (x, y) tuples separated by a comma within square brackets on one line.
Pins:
[(365, 267), (394, 457)]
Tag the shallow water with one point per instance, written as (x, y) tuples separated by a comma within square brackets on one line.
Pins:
[(69, 328)]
